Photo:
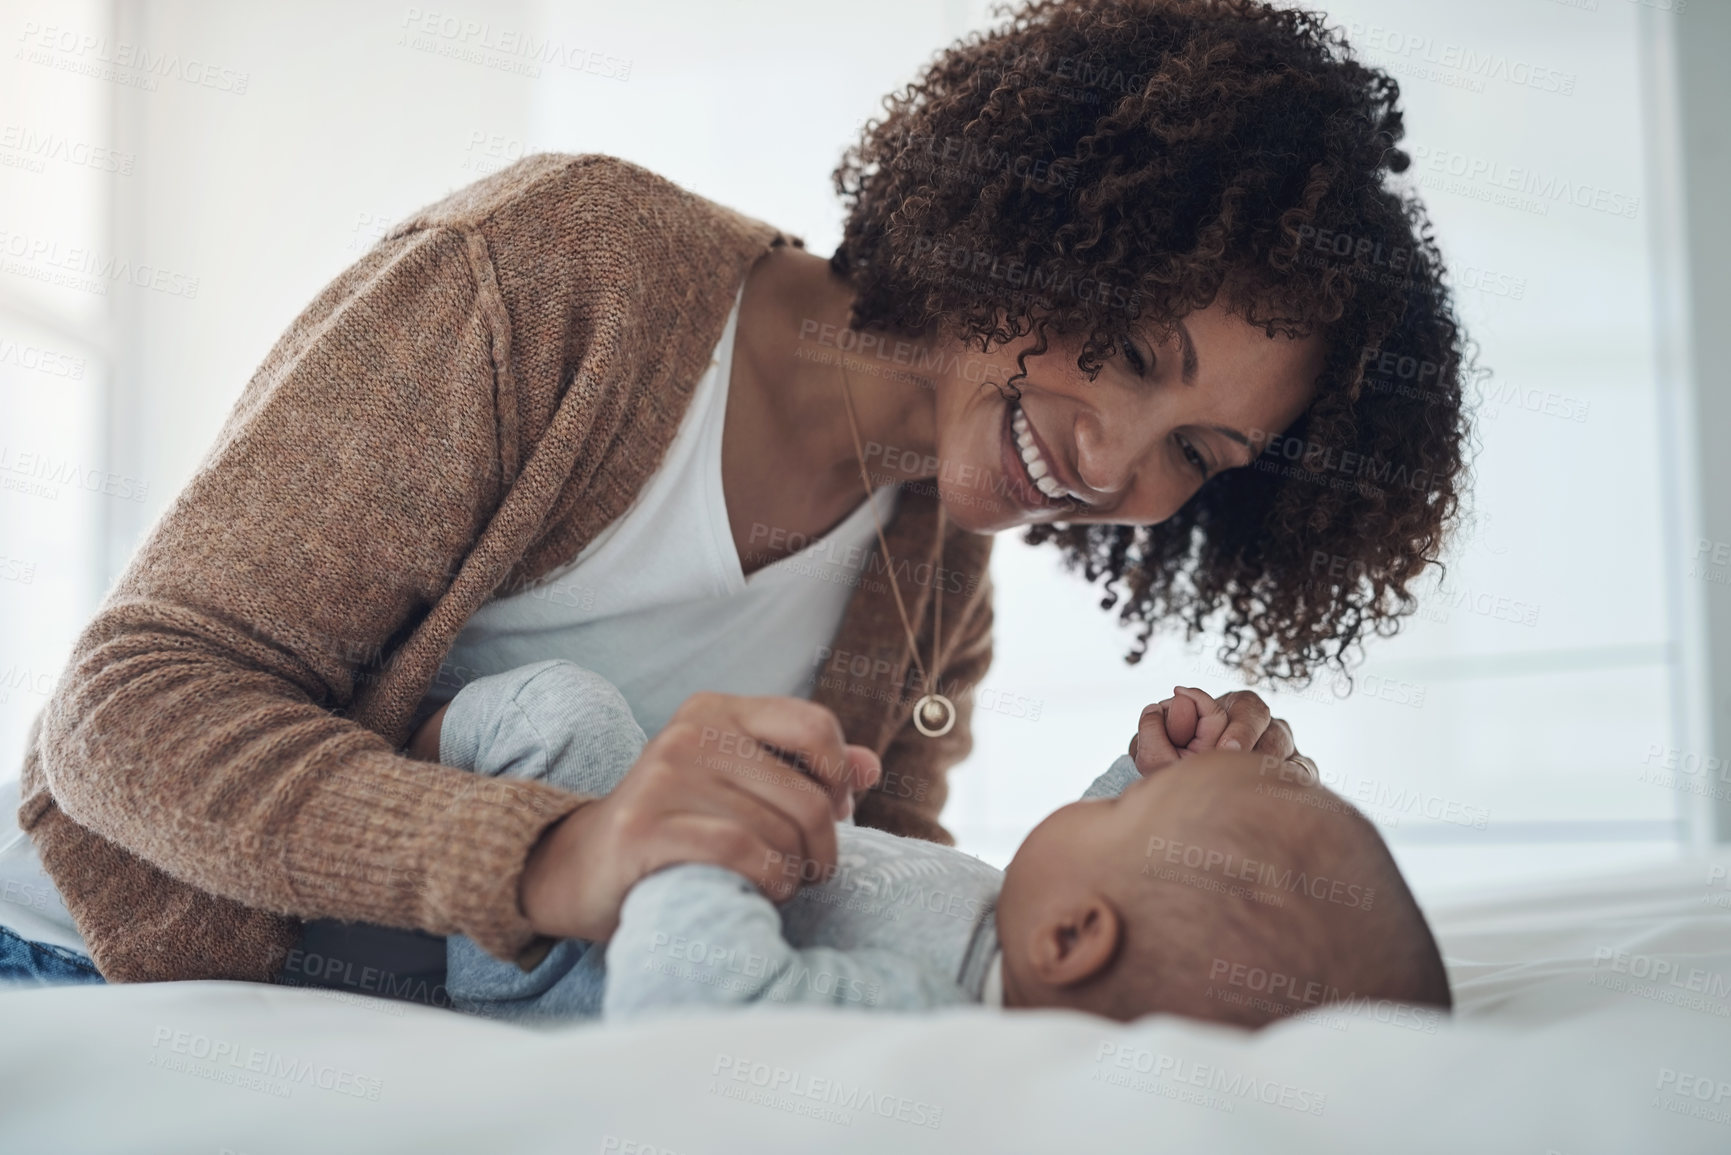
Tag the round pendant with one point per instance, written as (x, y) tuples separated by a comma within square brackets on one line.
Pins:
[(934, 715)]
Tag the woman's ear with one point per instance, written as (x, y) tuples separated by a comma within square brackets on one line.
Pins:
[(1077, 944)]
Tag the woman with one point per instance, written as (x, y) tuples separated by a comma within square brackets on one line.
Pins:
[(1123, 273)]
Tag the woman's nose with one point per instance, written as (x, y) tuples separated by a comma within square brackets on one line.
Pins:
[(1104, 458)]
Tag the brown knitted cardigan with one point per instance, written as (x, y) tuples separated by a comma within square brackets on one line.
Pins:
[(451, 418)]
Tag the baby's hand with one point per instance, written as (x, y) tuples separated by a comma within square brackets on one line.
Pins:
[(1191, 722)]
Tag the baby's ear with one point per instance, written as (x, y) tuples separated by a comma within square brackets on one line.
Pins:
[(1077, 944)]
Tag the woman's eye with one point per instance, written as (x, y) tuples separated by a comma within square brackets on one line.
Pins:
[(1194, 458), (1135, 359)]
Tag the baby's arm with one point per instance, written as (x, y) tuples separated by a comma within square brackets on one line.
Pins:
[(1115, 780), (1182, 728), (1185, 728), (701, 935)]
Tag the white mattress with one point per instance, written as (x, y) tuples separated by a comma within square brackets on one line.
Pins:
[(1592, 1017)]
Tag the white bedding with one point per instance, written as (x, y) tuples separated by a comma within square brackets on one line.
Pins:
[(1592, 1017)]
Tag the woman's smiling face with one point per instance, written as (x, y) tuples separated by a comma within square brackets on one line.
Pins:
[(1129, 447)]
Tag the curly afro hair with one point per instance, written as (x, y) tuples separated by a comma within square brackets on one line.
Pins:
[(1107, 166)]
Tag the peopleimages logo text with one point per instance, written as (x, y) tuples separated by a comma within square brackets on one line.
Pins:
[(1531, 182)]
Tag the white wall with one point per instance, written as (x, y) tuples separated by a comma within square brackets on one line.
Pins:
[(349, 116)]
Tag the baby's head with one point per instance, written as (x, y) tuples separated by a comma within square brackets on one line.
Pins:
[(1225, 886)]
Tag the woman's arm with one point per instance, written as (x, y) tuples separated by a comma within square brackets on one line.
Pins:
[(361, 500), (199, 722)]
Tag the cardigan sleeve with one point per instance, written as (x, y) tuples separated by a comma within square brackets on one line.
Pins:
[(911, 793), (199, 723)]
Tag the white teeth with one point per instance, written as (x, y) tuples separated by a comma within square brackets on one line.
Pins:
[(1037, 467)]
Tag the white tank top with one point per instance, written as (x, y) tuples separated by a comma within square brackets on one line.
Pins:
[(659, 604)]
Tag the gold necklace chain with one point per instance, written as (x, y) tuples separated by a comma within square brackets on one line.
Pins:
[(934, 714)]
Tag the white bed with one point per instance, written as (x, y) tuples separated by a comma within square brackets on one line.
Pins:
[(1592, 1017)]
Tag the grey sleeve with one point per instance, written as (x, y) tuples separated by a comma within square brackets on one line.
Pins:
[(1115, 780), (554, 722), (700, 935)]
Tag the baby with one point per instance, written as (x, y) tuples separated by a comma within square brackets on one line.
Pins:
[(1224, 886)]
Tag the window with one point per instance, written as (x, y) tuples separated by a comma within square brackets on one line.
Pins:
[(58, 285)]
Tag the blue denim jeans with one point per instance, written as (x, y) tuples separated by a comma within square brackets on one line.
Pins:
[(27, 963), (398, 973)]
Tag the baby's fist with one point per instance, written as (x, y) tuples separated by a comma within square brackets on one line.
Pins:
[(1187, 723)]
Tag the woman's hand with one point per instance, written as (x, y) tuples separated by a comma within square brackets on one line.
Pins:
[(705, 789), (1191, 722)]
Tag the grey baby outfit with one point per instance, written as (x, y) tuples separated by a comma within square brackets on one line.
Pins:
[(900, 924)]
